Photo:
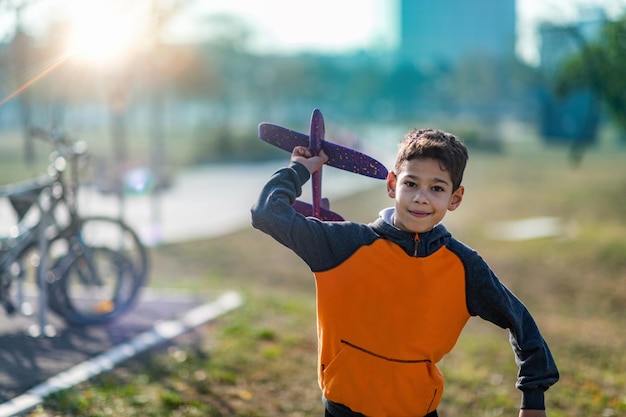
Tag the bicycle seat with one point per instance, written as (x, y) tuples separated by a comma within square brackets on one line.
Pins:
[(23, 194)]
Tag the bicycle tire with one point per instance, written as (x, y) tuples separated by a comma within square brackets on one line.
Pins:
[(83, 236), (93, 287), (103, 231)]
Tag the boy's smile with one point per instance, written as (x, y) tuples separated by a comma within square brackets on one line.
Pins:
[(423, 194)]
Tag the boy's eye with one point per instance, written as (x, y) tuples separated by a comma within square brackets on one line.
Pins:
[(437, 188), (410, 184)]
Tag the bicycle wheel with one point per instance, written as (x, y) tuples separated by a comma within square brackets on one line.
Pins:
[(100, 231), (93, 287), (104, 232), (87, 240)]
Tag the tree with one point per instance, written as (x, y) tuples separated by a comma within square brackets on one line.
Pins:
[(599, 66)]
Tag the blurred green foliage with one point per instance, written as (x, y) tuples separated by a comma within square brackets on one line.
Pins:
[(600, 66), (219, 90)]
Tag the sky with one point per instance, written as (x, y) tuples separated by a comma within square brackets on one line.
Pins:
[(292, 26), (331, 25), (340, 25)]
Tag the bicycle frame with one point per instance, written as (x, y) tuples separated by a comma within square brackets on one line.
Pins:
[(35, 193)]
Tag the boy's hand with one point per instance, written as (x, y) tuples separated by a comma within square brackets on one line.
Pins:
[(303, 155), (532, 413)]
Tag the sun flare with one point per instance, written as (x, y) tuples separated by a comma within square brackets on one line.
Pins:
[(102, 34)]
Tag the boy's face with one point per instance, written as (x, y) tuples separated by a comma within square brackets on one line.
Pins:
[(423, 194)]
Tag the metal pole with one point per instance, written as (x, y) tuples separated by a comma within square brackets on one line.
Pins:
[(44, 329)]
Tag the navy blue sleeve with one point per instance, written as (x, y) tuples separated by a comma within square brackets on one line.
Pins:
[(489, 299), (321, 245)]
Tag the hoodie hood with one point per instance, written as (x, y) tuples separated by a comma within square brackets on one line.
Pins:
[(414, 244)]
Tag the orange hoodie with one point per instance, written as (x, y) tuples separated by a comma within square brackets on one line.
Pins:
[(384, 320)]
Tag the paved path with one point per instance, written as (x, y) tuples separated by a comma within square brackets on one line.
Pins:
[(28, 360), (210, 201), (203, 202), (33, 368)]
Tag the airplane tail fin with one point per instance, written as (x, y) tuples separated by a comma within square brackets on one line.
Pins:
[(326, 214)]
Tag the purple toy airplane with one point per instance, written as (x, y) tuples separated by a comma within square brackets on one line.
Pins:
[(338, 157)]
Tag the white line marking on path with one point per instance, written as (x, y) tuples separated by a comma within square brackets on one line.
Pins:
[(106, 361)]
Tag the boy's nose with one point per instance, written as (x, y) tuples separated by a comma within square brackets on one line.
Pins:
[(420, 197)]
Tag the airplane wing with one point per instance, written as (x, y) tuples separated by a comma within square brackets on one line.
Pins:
[(353, 161), (282, 137), (338, 156)]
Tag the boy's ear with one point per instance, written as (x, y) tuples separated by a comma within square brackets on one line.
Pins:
[(457, 198), (391, 184)]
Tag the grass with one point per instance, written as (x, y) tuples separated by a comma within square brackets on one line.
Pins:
[(260, 360)]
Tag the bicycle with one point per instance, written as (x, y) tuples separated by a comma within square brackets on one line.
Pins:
[(99, 263)]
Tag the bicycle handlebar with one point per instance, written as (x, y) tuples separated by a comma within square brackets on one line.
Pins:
[(64, 145)]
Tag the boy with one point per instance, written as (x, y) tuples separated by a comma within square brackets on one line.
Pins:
[(394, 295)]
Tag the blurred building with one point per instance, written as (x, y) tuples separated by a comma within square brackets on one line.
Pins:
[(577, 116), (445, 31)]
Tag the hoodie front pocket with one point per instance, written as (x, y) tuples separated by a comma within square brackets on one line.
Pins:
[(380, 385)]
